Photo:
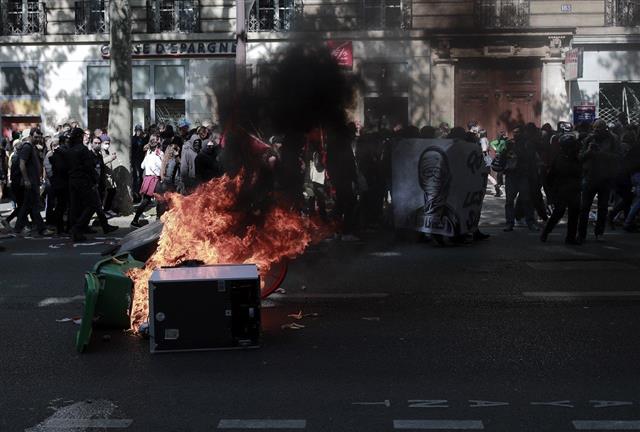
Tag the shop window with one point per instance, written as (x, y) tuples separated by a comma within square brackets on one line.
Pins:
[(271, 15), (98, 82), (141, 79), (386, 78), (169, 80), (170, 110), (98, 114), (20, 81)]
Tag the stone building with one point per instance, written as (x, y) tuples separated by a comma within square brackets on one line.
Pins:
[(421, 62)]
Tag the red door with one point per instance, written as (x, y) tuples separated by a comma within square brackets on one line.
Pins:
[(498, 94)]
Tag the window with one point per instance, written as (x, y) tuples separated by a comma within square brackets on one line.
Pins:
[(386, 78), (20, 81), (173, 16), (271, 15), (98, 82), (22, 17), (141, 79), (622, 12), (169, 80), (92, 16), (502, 13), (383, 14)]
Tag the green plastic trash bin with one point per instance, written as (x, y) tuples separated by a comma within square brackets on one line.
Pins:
[(108, 296)]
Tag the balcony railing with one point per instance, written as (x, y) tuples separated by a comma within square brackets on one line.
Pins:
[(22, 17), (167, 16), (502, 14), (273, 15), (625, 13), (92, 16)]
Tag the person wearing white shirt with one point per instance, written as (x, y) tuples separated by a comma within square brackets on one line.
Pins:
[(152, 166)]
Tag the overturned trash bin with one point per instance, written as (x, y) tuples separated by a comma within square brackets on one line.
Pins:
[(108, 296)]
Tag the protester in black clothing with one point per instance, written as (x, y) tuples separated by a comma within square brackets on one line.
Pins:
[(622, 182), (344, 178), (30, 173), (601, 162), (138, 142), (564, 181), (83, 185), (207, 162), (60, 184)]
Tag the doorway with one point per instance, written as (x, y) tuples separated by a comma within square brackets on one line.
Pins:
[(498, 94)]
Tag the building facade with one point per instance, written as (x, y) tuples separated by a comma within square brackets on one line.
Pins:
[(420, 62)]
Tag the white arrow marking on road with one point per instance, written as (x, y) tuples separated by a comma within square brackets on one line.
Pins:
[(483, 404), (607, 404), (80, 416), (261, 424), (606, 424), (428, 403), (563, 404), (439, 424), (386, 403)]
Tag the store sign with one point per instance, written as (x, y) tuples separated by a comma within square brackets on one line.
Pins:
[(584, 114), (20, 107), (343, 53), (573, 64), (177, 49)]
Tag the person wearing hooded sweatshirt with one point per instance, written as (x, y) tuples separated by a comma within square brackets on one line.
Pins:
[(207, 162), (564, 182), (601, 161), (190, 150)]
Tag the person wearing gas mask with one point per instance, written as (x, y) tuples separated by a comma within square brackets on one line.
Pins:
[(190, 150), (152, 165), (601, 162)]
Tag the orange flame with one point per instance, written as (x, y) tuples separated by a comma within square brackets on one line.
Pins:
[(209, 226)]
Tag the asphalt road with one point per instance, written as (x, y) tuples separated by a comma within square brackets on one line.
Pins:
[(506, 335)]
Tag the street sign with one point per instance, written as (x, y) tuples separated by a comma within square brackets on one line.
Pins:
[(573, 64), (584, 114)]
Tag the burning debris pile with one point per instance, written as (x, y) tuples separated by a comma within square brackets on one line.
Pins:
[(210, 227), (229, 220)]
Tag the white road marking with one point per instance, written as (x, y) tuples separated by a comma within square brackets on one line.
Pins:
[(29, 253), (385, 254), (386, 403), (439, 424), (90, 253), (484, 404), (608, 404), (50, 301), (428, 403), (581, 293), (72, 423), (561, 404), (584, 265), (606, 424), (261, 424)]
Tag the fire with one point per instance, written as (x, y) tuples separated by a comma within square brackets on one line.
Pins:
[(210, 225)]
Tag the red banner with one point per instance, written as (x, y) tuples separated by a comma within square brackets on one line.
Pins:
[(342, 51)]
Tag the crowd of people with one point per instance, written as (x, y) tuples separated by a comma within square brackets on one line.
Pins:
[(343, 174)]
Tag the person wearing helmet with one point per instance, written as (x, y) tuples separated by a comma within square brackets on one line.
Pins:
[(601, 162), (564, 182)]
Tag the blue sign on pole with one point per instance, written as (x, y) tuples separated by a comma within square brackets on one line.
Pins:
[(584, 114)]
